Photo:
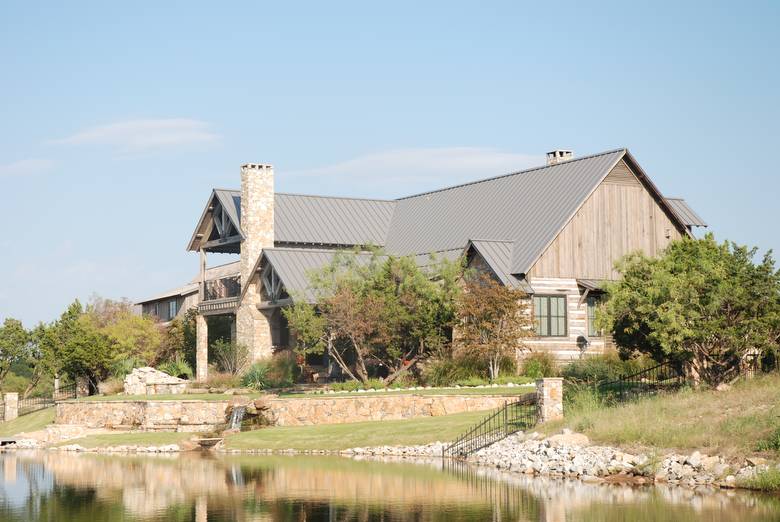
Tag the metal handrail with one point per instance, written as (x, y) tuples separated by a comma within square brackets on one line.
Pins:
[(512, 417)]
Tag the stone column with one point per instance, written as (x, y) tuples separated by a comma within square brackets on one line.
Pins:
[(201, 348), (11, 403), (549, 398), (257, 224)]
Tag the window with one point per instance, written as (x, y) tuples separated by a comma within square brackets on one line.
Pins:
[(156, 309), (550, 315), (593, 303), (173, 308)]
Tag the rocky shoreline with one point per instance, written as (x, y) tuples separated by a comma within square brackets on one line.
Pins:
[(566, 455)]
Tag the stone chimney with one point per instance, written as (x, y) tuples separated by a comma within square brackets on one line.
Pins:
[(557, 156), (257, 214), (257, 224)]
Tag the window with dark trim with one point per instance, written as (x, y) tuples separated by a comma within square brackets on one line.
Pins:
[(550, 315), (593, 303)]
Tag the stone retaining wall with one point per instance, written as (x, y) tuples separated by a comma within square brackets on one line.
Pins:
[(195, 415)]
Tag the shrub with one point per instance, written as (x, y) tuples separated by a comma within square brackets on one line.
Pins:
[(771, 443), (177, 367), (218, 379), (283, 369), (229, 356), (768, 480), (539, 364), (122, 367), (603, 368), (370, 384), (257, 376)]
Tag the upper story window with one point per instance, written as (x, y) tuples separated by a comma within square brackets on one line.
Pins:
[(173, 308), (550, 315), (593, 303)]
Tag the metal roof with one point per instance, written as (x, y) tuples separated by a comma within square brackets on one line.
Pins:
[(595, 285), (685, 213), (528, 208), (497, 254), (321, 220)]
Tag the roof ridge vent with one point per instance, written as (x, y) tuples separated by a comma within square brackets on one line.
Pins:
[(554, 157)]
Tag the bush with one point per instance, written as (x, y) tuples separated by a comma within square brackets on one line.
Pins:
[(771, 443), (371, 384), (768, 480), (539, 364), (121, 367), (230, 357), (603, 368), (218, 379), (178, 367), (257, 376)]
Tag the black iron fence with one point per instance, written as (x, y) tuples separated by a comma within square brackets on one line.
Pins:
[(512, 417), (661, 378), (33, 404)]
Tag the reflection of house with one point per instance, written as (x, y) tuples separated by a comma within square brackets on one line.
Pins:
[(554, 231)]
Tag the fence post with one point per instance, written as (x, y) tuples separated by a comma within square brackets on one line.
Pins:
[(549, 398), (11, 404)]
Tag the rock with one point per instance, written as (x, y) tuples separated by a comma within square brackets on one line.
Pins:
[(756, 461), (722, 387), (569, 439), (694, 459)]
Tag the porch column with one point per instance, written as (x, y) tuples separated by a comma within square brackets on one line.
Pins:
[(233, 330), (11, 404), (549, 398), (201, 348)]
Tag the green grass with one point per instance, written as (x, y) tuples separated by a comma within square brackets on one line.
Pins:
[(129, 439), (501, 390), (768, 480), (26, 423), (169, 397), (729, 423), (357, 434)]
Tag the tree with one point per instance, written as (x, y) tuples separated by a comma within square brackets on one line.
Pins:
[(376, 308), (13, 345), (702, 304), (84, 349), (131, 336), (494, 320), (42, 355)]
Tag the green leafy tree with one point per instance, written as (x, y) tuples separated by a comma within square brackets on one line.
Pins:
[(84, 349), (42, 355), (703, 304), (131, 336), (377, 308), (13, 345), (494, 320)]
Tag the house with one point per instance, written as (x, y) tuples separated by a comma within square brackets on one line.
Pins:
[(554, 231)]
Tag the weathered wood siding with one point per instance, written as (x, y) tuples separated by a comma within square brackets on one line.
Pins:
[(184, 303), (620, 217), (565, 348)]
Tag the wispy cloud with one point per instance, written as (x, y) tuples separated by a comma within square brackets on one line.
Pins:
[(143, 135), (405, 171), (25, 167)]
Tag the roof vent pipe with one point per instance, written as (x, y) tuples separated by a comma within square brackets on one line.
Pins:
[(557, 156)]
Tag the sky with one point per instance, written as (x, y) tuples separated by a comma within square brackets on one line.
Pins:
[(118, 118)]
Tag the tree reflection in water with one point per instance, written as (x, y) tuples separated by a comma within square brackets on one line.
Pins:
[(89, 487)]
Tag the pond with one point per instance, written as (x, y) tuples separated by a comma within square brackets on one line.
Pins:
[(38, 486)]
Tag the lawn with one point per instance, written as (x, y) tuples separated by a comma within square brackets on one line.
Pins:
[(737, 422), (130, 439), (357, 434), (26, 423)]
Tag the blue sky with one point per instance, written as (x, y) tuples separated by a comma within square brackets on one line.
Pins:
[(118, 118)]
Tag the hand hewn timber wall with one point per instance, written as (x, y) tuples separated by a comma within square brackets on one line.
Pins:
[(197, 416)]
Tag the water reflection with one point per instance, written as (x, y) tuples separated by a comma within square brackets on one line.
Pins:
[(52, 486)]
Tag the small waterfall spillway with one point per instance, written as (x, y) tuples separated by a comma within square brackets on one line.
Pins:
[(236, 416)]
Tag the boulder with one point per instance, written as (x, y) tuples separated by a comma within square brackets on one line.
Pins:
[(149, 381)]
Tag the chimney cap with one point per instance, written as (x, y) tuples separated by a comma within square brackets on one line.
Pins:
[(557, 156), (257, 166)]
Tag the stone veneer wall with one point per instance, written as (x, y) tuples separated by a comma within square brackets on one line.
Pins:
[(257, 223), (195, 415)]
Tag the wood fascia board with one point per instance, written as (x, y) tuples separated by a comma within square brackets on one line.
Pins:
[(573, 214), (192, 246), (651, 187), (221, 242), (222, 202), (255, 268)]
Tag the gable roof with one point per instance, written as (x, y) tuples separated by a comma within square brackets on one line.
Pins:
[(316, 220), (528, 208), (497, 254)]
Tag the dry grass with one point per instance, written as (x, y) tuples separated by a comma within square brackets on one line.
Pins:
[(729, 423)]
